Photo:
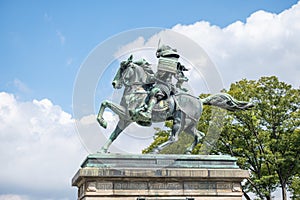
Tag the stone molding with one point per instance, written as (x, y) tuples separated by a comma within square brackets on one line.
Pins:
[(98, 181)]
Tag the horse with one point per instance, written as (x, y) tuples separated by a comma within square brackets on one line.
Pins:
[(184, 109)]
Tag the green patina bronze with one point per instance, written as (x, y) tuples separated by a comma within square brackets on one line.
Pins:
[(160, 161), (152, 97)]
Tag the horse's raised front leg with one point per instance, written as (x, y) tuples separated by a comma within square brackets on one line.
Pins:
[(176, 129), (122, 124), (116, 108)]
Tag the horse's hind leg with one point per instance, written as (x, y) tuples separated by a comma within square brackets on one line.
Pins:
[(122, 124), (198, 135), (176, 129)]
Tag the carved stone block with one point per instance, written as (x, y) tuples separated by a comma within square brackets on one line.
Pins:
[(165, 177)]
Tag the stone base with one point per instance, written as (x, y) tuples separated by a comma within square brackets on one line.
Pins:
[(153, 177)]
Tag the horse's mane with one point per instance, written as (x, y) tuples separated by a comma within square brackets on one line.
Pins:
[(146, 67)]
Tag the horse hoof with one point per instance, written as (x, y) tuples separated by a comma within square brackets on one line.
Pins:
[(188, 152), (155, 151), (102, 151), (102, 122)]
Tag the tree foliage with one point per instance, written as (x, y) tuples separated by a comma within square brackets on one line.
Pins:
[(266, 139), (295, 187), (162, 136)]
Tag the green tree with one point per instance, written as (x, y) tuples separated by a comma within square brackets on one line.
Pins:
[(162, 135), (184, 140), (295, 187), (294, 183), (265, 140)]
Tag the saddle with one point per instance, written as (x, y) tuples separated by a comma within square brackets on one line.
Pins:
[(162, 105)]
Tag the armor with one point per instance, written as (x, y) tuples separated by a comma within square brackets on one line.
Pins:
[(168, 67), (167, 59)]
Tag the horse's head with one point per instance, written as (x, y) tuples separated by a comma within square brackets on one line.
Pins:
[(130, 73), (118, 79)]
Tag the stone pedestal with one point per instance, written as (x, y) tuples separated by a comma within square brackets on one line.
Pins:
[(151, 177)]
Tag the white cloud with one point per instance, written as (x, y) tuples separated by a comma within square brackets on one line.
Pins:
[(39, 149), (39, 146), (266, 44), (131, 47), (93, 136), (202, 74), (13, 197)]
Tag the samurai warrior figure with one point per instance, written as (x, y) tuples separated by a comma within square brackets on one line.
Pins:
[(168, 67)]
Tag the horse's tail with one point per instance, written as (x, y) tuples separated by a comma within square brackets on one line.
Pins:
[(227, 102)]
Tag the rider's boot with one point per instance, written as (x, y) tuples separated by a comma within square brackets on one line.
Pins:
[(147, 114)]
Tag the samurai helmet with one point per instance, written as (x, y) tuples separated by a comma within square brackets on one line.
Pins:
[(166, 51)]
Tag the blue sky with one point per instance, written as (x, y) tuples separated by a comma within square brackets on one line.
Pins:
[(44, 43)]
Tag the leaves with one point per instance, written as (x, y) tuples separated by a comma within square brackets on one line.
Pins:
[(265, 139)]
